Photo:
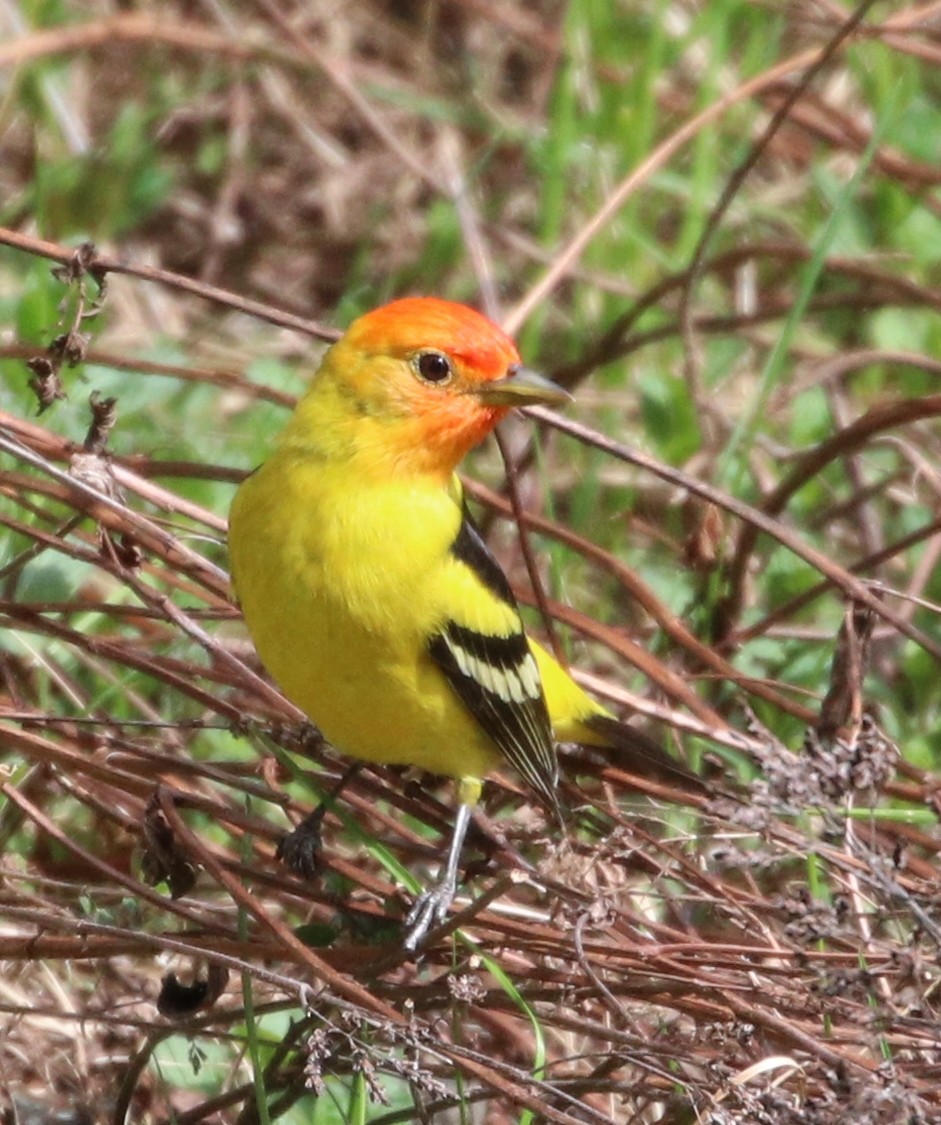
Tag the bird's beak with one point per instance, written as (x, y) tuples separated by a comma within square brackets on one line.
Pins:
[(522, 387)]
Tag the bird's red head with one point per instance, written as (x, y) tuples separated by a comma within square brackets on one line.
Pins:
[(479, 350), (420, 381)]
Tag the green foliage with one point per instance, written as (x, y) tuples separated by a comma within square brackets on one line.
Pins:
[(106, 192), (669, 417), (35, 310)]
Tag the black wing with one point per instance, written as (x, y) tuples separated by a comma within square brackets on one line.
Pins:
[(496, 675)]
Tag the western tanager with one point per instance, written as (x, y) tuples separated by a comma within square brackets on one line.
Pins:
[(368, 590)]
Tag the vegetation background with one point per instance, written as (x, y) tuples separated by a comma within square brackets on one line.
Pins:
[(720, 225)]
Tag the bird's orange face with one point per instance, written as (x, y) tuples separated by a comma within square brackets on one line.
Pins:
[(435, 377)]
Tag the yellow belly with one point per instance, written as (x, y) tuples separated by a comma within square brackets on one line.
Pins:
[(340, 594)]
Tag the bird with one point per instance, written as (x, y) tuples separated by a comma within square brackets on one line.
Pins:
[(368, 590)]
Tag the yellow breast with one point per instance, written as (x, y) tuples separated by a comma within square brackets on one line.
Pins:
[(341, 590)]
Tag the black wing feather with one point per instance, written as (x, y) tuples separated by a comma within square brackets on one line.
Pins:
[(497, 678)]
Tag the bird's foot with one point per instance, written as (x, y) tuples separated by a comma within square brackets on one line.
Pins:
[(300, 848), (429, 910)]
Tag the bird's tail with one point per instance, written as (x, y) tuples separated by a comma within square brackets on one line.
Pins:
[(637, 753)]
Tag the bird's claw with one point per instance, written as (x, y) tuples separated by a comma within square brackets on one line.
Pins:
[(300, 848), (429, 910)]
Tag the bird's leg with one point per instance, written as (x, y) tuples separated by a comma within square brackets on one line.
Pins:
[(300, 848), (431, 907)]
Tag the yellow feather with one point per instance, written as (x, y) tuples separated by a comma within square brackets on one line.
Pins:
[(341, 588)]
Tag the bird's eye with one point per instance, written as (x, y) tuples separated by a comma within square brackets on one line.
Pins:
[(433, 367)]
